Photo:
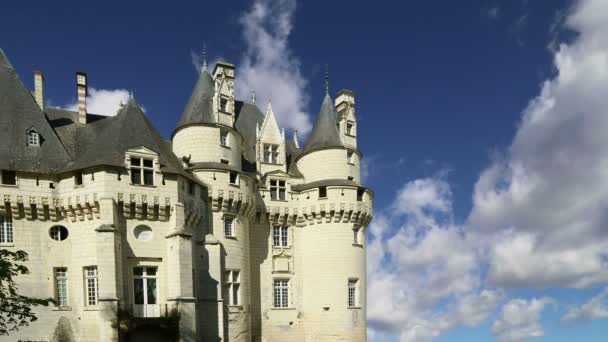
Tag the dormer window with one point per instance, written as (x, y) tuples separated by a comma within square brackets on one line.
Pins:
[(142, 171), (350, 128), (277, 190), (271, 153), (223, 104), (32, 138)]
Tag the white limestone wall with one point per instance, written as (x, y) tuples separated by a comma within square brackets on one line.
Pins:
[(203, 144), (329, 164)]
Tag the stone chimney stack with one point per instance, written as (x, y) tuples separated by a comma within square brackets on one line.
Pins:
[(81, 85), (39, 89)]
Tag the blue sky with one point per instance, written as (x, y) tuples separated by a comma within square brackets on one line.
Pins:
[(481, 125)]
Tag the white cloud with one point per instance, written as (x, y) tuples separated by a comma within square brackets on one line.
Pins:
[(595, 308), (103, 101), (519, 320), (268, 65), (551, 191), (422, 269)]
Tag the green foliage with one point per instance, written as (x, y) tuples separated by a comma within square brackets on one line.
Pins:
[(15, 309)]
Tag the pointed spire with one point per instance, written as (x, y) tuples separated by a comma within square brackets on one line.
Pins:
[(326, 78), (204, 68), (269, 110), (253, 96), (325, 131)]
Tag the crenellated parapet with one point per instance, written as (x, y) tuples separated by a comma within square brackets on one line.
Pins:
[(234, 201)]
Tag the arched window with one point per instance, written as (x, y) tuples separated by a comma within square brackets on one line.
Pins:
[(58, 233), (32, 138), (143, 233)]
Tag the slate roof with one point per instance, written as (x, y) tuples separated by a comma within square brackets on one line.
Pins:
[(325, 132), (199, 108), (248, 116), (18, 113)]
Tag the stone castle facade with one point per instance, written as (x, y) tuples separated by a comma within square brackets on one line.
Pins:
[(230, 231)]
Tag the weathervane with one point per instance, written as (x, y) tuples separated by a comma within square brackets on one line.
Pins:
[(205, 57)]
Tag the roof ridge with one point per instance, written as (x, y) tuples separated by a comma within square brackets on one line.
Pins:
[(325, 131)]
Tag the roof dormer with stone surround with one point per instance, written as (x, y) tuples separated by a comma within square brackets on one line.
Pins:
[(270, 145)]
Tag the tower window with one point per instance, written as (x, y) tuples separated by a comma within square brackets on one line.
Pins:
[(234, 178), (32, 138), (271, 153), (350, 157), (322, 192), (281, 293), (350, 128), (232, 286), (277, 190), (352, 293), (8, 177), (6, 229), (61, 286), (280, 236), (78, 178), (91, 287), (142, 171), (229, 226), (360, 193), (58, 233), (223, 104), (224, 137)]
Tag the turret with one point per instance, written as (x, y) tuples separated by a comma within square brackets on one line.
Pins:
[(347, 122), (223, 100)]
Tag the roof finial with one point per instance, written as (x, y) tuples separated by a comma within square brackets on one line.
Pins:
[(326, 78), (204, 57), (253, 96)]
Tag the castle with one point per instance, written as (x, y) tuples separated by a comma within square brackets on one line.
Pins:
[(230, 231)]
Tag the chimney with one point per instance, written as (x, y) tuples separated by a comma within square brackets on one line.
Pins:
[(81, 85), (39, 89)]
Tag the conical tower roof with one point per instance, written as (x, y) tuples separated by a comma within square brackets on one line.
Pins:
[(325, 132), (200, 106)]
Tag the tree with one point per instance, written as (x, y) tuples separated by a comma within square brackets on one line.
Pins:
[(15, 309)]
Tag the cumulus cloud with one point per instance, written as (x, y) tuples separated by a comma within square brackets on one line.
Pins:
[(519, 320), (103, 101), (422, 268), (595, 308), (268, 66), (550, 193)]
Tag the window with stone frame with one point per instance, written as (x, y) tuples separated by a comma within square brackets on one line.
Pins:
[(232, 287), (277, 189), (281, 293), (271, 154), (91, 285), (234, 178), (8, 177), (350, 157), (6, 229), (61, 286), (224, 137), (223, 104), (350, 128), (32, 138), (353, 295), (229, 226), (280, 236), (142, 171)]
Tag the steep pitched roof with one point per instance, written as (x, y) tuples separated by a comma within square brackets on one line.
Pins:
[(18, 113), (200, 106), (325, 132), (248, 116), (105, 140)]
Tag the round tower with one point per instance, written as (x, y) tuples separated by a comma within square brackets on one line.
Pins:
[(210, 146), (331, 239)]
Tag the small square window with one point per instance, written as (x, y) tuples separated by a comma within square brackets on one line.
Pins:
[(224, 161), (142, 171), (32, 138), (9, 177), (322, 192)]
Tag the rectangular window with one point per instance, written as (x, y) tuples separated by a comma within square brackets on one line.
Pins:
[(90, 281), (322, 192), (350, 157), (232, 285), (280, 236), (352, 293), (234, 178), (6, 229), (228, 226), (142, 171), (277, 190), (271, 153), (223, 104), (224, 137), (360, 193), (191, 187), (281, 293), (356, 236), (61, 286), (78, 178), (224, 161), (32, 139), (145, 292), (350, 128)]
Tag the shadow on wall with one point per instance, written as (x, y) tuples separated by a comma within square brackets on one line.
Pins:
[(63, 331), (258, 253)]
